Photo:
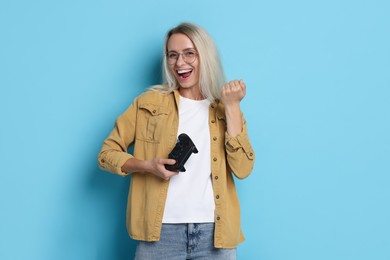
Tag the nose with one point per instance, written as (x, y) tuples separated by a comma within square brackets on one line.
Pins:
[(180, 60)]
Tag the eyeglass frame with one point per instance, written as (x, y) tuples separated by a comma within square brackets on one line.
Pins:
[(182, 55)]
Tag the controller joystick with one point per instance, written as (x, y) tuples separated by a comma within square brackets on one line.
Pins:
[(181, 152)]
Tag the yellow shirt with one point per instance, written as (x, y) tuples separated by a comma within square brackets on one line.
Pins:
[(150, 124)]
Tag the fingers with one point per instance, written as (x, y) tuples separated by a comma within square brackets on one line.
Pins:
[(158, 168), (167, 161), (166, 174), (233, 91), (242, 84), (235, 85)]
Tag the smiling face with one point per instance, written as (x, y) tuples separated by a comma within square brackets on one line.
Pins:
[(184, 69)]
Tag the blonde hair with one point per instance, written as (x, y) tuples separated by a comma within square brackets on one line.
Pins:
[(211, 74)]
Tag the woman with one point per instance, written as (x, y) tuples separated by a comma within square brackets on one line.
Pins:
[(191, 214)]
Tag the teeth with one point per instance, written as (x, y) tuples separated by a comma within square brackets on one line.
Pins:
[(183, 71)]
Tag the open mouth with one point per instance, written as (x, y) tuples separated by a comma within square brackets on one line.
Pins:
[(184, 73)]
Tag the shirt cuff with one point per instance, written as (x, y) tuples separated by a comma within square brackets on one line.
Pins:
[(241, 141), (115, 164)]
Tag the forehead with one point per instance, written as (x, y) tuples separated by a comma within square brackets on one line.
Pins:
[(179, 42)]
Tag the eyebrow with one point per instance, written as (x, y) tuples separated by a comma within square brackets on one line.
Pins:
[(188, 49)]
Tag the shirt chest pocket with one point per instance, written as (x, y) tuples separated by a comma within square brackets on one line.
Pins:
[(152, 122)]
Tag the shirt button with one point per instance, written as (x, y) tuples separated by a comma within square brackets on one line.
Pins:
[(218, 218), (217, 197), (216, 177), (215, 138), (102, 160), (154, 111), (213, 121), (215, 159), (251, 154)]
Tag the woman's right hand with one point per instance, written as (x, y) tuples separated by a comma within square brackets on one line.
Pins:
[(157, 167)]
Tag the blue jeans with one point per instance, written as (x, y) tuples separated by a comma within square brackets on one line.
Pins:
[(184, 241)]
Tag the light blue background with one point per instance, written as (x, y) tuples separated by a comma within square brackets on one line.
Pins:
[(317, 106)]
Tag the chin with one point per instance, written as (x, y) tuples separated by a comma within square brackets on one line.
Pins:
[(187, 85)]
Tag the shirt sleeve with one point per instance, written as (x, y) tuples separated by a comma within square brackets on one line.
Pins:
[(240, 154), (113, 153)]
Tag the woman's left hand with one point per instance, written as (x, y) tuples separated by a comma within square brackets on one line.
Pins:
[(233, 92)]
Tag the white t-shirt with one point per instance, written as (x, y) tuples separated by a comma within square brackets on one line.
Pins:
[(190, 196)]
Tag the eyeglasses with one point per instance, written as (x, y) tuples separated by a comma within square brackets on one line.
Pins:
[(188, 56)]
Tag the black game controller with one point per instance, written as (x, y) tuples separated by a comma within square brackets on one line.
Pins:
[(181, 152)]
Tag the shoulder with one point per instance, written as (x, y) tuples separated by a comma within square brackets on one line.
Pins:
[(152, 101), (154, 96), (155, 101)]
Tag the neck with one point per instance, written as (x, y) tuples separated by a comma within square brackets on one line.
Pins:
[(192, 93)]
